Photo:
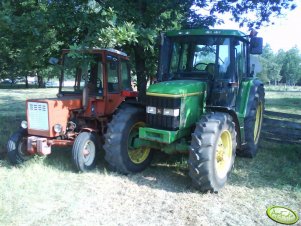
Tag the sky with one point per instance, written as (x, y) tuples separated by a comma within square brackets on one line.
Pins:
[(284, 34)]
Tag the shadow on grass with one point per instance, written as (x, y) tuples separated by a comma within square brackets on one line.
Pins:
[(18, 86), (275, 166), (293, 103), (167, 172)]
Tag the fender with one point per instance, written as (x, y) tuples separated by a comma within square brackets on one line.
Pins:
[(235, 119), (131, 102), (86, 129), (253, 90)]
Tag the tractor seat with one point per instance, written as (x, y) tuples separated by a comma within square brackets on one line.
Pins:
[(210, 68)]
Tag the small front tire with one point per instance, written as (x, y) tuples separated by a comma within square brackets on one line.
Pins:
[(84, 151), (17, 147)]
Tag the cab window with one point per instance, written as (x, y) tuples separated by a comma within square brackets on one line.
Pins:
[(125, 76), (240, 59), (112, 71)]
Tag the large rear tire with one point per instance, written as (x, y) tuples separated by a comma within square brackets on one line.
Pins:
[(17, 147), (253, 122), (120, 151), (84, 151), (212, 151)]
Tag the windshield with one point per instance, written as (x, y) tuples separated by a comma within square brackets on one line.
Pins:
[(199, 57), (77, 71)]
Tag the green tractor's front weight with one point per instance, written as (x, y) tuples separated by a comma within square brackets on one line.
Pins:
[(207, 103)]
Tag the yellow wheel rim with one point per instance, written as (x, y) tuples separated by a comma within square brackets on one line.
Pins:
[(223, 154), (136, 155), (258, 121)]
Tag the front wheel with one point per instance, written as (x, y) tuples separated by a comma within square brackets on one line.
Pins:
[(84, 151), (17, 147), (123, 154), (212, 151)]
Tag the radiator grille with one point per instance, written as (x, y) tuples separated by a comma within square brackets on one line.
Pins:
[(160, 121), (37, 116)]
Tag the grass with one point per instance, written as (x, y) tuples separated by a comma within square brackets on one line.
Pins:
[(47, 191), (283, 88), (285, 102)]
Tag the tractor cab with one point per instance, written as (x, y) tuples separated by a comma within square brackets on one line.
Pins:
[(218, 57), (100, 76)]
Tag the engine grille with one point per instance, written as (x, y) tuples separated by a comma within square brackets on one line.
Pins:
[(160, 121), (37, 116)]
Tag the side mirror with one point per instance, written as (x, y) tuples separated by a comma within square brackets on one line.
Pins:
[(53, 60), (256, 45)]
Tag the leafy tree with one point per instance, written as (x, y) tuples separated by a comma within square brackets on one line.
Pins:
[(270, 66), (291, 66), (33, 30), (27, 38)]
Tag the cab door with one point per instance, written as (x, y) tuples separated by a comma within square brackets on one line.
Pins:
[(113, 88)]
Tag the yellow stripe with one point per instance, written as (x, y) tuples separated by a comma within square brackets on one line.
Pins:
[(173, 95)]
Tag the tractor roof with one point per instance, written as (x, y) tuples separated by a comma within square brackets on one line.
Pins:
[(97, 50), (217, 32)]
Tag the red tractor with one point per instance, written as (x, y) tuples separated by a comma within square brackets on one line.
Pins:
[(94, 83)]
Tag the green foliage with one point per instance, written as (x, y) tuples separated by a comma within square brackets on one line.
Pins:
[(31, 31), (282, 66), (270, 67), (291, 66), (27, 38)]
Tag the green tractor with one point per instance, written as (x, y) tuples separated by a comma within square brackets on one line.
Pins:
[(206, 103)]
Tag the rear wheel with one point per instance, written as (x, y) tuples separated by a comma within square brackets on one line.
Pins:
[(253, 122), (84, 151), (122, 153), (212, 151), (17, 147)]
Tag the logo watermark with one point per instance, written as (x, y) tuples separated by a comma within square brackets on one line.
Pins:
[(282, 215)]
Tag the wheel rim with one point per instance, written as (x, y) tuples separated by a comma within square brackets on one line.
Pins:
[(258, 121), (140, 154), (88, 152), (22, 149), (223, 154)]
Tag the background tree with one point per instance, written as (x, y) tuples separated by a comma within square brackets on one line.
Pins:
[(270, 66), (33, 30), (291, 66), (27, 37)]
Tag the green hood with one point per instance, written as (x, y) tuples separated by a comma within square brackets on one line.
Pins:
[(178, 88)]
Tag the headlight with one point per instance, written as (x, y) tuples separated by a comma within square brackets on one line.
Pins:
[(171, 112), (151, 110), (24, 124), (57, 128)]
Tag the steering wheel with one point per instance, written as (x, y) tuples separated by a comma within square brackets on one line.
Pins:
[(198, 68)]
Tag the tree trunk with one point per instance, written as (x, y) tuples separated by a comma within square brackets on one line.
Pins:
[(26, 81), (40, 81), (140, 59)]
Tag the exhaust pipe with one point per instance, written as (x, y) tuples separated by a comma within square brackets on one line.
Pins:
[(85, 97)]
